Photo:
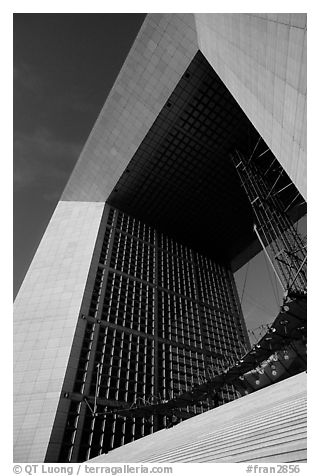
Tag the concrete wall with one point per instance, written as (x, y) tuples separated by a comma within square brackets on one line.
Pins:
[(46, 310), (262, 59)]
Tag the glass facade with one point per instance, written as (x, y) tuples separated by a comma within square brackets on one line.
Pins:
[(161, 318)]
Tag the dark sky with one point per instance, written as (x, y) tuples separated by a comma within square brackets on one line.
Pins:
[(64, 67)]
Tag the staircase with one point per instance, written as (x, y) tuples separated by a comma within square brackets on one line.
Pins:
[(269, 425)]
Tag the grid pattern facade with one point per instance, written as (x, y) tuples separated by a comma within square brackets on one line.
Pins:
[(158, 317)]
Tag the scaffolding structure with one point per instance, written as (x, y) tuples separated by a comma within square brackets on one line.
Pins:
[(285, 248)]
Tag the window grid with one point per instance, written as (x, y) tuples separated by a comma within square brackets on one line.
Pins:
[(188, 305)]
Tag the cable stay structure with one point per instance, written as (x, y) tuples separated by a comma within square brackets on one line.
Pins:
[(281, 350), (283, 246)]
